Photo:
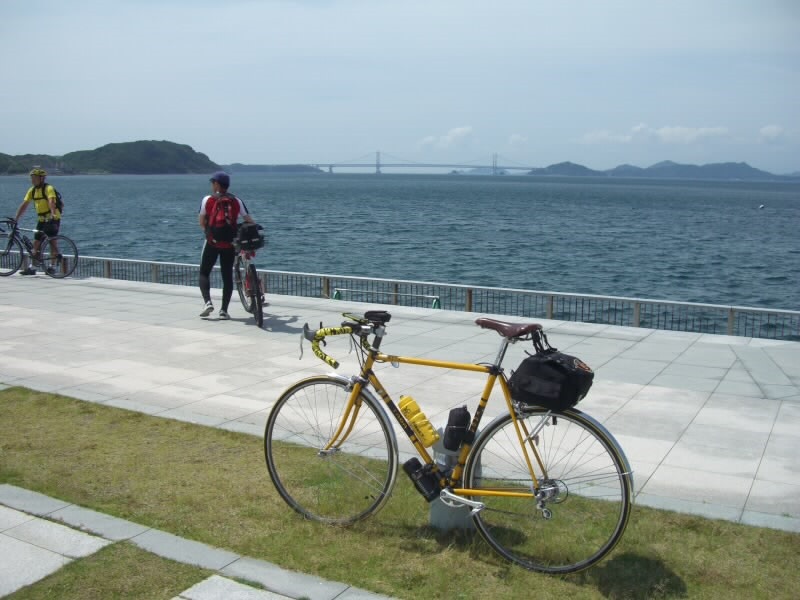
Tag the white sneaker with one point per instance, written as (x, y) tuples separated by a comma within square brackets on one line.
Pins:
[(209, 308), (224, 316)]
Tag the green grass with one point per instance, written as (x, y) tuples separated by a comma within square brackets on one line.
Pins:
[(212, 486), (118, 571)]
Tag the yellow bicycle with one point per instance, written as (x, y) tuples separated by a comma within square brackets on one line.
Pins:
[(548, 490)]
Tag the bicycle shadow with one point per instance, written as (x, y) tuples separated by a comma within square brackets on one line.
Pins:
[(633, 576), (626, 575), (279, 324)]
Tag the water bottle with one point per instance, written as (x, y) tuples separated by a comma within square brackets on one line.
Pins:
[(419, 423)]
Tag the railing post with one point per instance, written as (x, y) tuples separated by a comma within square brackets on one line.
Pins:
[(637, 309), (550, 301), (326, 287), (107, 269), (731, 320), (469, 300), (396, 291), (154, 271)]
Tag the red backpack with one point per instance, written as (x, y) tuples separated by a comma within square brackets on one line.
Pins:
[(221, 224)]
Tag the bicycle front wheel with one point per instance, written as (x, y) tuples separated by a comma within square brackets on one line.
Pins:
[(10, 254), (256, 299), (59, 256), (239, 280), (341, 484), (584, 496)]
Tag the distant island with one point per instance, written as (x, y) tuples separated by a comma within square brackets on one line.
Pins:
[(145, 157), (667, 169), (149, 157)]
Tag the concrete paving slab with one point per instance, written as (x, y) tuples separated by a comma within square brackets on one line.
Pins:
[(183, 550), (57, 538), (284, 581), (11, 518), (111, 528), (28, 501), (771, 521), (705, 487), (22, 564), (769, 497), (216, 588)]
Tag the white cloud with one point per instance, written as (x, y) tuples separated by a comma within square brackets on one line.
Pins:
[(604, 136), (666, 135), (457, 136), (771, 133), (688, 135)]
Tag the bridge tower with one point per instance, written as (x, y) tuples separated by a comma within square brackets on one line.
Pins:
[(494, 163), (378, 162)]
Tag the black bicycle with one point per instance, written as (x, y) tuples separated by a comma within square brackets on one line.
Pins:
[(57, 255), (250, 286)]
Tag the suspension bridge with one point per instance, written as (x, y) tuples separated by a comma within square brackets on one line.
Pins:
[(498, 166)]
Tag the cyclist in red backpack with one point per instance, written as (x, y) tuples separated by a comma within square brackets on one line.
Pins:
[(218, 218)]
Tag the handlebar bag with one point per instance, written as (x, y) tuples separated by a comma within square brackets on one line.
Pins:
[(249, 236)]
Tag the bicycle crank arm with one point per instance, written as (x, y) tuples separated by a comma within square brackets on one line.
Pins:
[(454, 501)]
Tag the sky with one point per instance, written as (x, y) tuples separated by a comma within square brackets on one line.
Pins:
[(599, 83)]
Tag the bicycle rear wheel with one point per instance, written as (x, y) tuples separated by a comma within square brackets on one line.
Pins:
[(239, 278), (585, 494), (256, 299), (339, 485), (59, 256), (10, 254)]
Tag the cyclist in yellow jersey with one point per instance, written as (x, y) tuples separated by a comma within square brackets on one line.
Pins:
[(43, 197)]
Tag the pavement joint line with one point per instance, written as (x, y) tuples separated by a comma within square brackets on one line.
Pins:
[(274, 578)]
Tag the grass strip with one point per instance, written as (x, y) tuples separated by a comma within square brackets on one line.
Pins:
[(120, 570), (211, 485)]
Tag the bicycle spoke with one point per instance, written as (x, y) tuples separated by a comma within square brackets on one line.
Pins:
[(341, 484), (583, 500), (10, 254), (58, 256)]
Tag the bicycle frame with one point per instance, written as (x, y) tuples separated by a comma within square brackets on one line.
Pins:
[(26, 242), (246, 257), (495, 373)]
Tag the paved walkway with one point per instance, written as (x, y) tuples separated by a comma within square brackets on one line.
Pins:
[(710, 424)]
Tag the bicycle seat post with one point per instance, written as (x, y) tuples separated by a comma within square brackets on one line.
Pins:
[(501, 353)]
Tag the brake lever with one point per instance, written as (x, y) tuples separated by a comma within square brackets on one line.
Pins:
[(308, 334)]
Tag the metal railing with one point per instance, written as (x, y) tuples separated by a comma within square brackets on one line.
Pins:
[(610, 310)]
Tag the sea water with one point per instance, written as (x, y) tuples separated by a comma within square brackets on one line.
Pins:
[(733, 243)]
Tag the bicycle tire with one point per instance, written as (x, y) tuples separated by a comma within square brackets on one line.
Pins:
[(10, 254), (256, 299), (342, 486), (239, 280), (588, 476), (63, 261)]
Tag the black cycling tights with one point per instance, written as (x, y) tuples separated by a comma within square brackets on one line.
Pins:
[(207, 262)]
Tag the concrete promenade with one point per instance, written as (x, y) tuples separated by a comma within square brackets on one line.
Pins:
[(710, 424)]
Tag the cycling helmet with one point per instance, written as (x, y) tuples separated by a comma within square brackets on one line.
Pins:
[(38, 171), (222, 178)]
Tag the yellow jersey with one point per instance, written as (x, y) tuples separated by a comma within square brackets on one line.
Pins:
[(39, 196)]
